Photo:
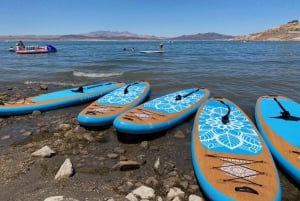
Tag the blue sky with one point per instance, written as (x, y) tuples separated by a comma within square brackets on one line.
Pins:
[(151, 17)]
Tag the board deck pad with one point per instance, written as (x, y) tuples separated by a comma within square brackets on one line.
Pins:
[(278, 120), (230, 158), (161, 113), (57, 99), (103, 111)]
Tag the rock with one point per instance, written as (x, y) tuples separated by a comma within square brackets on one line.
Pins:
[(112, 155), (59, 198), (88, 137), (131, 197), (152, 181), (158, 169), (176, 199), (65, 170), (144, 192), (193, 197), (193, 188), (119, 150), (43, 87), (175, 192), (144, 144), (159, 198), (184, 184), (36, 113), (5, 137), (64, 127), (27, 133), (126, 187), (44, 152), (126, 165), (171, 182), (55, 198), (179, 134)]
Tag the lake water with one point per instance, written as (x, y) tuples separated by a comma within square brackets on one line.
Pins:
[(240, 71)]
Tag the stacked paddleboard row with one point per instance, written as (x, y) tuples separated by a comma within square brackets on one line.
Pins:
[(230, 158)]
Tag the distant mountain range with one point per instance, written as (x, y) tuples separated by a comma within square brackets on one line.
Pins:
[(114, 35), (286, 32)]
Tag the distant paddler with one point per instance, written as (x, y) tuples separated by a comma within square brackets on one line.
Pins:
[(11, 49), (161, 46)]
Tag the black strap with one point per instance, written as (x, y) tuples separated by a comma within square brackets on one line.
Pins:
[(81, 90), (225, 118), (126, 89), (285, 114), (179, 97), (246, 189)]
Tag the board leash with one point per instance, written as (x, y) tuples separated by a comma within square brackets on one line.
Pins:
[(126, 88), (225, 118), (179, 97)]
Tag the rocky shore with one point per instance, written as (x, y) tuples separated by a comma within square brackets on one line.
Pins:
[(48, 156), (286, 32)]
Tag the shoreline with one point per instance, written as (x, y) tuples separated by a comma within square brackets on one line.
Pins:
[(93, 154)]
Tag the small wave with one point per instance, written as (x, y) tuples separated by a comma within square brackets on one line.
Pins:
[(51, 83), (83, 74)]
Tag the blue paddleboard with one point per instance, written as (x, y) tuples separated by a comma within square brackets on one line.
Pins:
[(230, 159), (278, 120), (161, 113), (57, 99), (103, 111)]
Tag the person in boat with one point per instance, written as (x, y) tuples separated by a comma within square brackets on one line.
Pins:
[(20, 45)]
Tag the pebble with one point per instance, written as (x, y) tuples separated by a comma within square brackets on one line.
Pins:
[(175, 192), (193, 197), (43, 87), (144, 192), (55, 198), (126, 165), (5, 137)]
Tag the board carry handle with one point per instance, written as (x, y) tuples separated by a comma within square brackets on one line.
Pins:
[(285, 114), (246, 189), (179, 97), (80, 89), (126, 89)]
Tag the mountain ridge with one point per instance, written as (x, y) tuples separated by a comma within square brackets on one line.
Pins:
[(285, 32), (115, 35)]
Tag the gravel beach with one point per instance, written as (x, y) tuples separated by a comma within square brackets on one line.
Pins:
[(105, 165)]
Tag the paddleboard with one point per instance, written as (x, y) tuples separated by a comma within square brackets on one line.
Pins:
[(152, 51), (161, 113), (278, 120), (58, 99), (103, 111), (230, 159)]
